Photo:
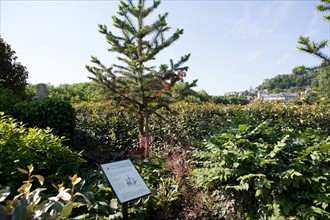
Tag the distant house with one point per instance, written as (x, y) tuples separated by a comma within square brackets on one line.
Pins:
[(283, 96), (234, 94)]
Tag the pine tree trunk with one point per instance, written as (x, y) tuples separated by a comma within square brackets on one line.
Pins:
[(141, 134), (144, 135)]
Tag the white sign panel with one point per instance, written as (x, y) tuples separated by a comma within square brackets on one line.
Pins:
[(125, 180)]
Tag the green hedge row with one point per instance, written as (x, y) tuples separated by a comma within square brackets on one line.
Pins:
[(103, 125), (56, 114)]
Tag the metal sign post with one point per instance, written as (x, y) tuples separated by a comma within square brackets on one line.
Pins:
[(126, 182)]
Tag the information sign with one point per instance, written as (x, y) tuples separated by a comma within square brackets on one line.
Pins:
[(125, 181)]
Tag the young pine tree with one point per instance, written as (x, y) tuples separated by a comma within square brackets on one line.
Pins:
[(133, 82)]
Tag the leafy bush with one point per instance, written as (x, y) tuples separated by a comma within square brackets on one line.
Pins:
[(21, 146), (7, 100), (261, 171), (29, 204), (56, 114), (91, 198), (296, 117), (103, 126)]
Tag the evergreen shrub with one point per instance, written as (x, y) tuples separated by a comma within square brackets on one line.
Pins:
[(7, 100), (20, 146)]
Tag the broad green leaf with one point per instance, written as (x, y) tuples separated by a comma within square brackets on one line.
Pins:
[(325, 205), (22, 171), (82, 195), (242, 128), (24, 187), (40, 178), (67, 210)]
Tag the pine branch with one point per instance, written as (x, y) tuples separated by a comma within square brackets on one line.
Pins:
[(313, 47)]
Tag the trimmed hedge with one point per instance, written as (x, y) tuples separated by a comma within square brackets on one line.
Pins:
[(43, 113), (102, 124)]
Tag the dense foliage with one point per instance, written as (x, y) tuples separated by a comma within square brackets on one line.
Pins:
[(258, 171), (21, 146), (7, 100), (255, 151), (42, 113), (13, 74), (324, 81), (104, 127), (91, 198), (271, 161)]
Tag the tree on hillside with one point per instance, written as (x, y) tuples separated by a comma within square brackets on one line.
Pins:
[(13, 75), (133, 82)]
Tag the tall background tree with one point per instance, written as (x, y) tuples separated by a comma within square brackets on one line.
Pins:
[(315, 48), (135, 83), (13, 75)]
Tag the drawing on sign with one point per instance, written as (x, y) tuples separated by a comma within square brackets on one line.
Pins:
[(125, 181), (130, 181)]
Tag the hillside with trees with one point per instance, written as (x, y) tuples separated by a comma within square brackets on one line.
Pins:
[(300, 79)]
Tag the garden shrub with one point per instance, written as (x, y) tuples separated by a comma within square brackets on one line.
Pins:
[(297, 117), (90, 196), (42, 113), (101, 125), (259, 171), (21, 146), (29, 204), (188, 122), (7, 100)]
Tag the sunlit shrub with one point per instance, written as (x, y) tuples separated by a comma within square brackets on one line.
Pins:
[(261, 171), (21, 146)]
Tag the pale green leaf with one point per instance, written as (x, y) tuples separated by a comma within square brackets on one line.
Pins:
[(40, 178), (67, 210), (258, 192), (30, 167), (22, 171), (24, 187)]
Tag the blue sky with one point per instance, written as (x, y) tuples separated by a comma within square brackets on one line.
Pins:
[(233, 44)]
